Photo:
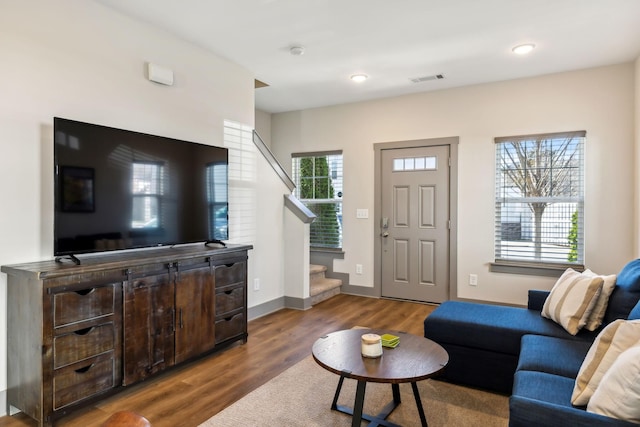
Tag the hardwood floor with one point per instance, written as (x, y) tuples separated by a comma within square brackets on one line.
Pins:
[(189, 395)]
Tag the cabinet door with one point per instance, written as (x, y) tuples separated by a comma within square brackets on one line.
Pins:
[(195, 314), (148, 326)]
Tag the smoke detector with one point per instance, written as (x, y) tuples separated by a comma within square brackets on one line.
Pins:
[(296, 50)]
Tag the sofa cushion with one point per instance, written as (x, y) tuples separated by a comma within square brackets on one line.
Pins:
[(614, 339), (490, 327), (626, 293), (540, 353), (543, 386), (618, 394), (572, 299), (635, 312), (524, 412)]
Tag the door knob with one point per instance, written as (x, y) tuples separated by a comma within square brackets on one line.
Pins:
[(385, 234)]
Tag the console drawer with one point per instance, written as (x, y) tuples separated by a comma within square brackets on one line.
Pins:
[(229, 299), (230, 327), (82, 344), (75, 382), (71, 307), (230, 274)]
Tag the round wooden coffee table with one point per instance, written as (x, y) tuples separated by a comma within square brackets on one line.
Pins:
[(415, 359)]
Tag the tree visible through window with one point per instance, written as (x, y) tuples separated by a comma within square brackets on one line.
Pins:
[(318, 179), (539, 198)]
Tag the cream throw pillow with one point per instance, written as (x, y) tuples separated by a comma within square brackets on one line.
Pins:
[(608, 284), (572, 299), (614, 339), (618, 394)]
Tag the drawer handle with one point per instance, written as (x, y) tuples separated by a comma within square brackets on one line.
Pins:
[(85, 369), (227, 319), (228, 292), (230, 265), (84, 331), (85, 292)]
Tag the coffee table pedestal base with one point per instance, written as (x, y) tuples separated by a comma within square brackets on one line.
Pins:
[(381, 418)]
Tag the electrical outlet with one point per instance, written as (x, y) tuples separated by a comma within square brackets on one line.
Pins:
[(256, 284), (358, 268), (473, 280)]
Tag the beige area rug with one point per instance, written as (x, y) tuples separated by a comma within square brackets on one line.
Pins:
[(302, 395)]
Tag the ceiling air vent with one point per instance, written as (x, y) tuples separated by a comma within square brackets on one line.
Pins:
[(427, 78)]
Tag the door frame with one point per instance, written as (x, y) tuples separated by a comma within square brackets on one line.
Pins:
[(452, 143)]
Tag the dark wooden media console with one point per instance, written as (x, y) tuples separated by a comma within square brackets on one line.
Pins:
[(78, 333)]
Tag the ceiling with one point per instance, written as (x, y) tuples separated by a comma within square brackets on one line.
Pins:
[(393, 41)]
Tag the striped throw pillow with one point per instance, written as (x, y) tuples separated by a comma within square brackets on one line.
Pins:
[(614, 339), (572, 299), (618, 395), (597, 315)]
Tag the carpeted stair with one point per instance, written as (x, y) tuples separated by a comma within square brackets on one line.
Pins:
[(321, 287)]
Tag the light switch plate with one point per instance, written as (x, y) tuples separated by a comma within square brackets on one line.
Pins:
[(362, 213)]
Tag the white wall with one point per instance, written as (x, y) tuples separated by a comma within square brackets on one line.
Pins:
[(600, 101), (79, 60), (263, 126), (636, 231)]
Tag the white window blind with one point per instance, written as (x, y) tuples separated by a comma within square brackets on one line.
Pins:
[(217, 198), (318, 179), (147, 183), (238, 138), (539, 209)]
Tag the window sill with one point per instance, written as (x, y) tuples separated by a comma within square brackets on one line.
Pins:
[(327, 250), (532, 269)]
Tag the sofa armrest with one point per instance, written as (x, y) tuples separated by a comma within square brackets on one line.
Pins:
[(537, 299), (525, 412)]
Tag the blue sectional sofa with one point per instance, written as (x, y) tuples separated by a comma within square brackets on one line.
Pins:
[(516, 351)]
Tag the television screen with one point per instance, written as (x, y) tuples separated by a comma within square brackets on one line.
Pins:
[(118, 189)]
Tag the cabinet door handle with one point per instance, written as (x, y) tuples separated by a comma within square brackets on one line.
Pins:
[(84, 331), (181, 323), (85, 369)]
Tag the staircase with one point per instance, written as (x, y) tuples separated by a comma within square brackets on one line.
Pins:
[(320, 287)]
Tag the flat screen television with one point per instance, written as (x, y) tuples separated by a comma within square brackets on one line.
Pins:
[(118, 189)]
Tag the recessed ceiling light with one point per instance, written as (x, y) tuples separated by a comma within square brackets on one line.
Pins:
[(359, 78), (523, 49)]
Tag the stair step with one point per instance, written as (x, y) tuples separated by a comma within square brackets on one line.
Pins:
[(316, 273), (321, 288), (315, 268), (324, 285)]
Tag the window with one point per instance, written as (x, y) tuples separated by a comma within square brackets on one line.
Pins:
[(539, 199), (318, 179), (146, 183), (243, 184), (428, 163), (217, 201)]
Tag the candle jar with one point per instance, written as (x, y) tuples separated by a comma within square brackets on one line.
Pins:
[(371, 345)]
